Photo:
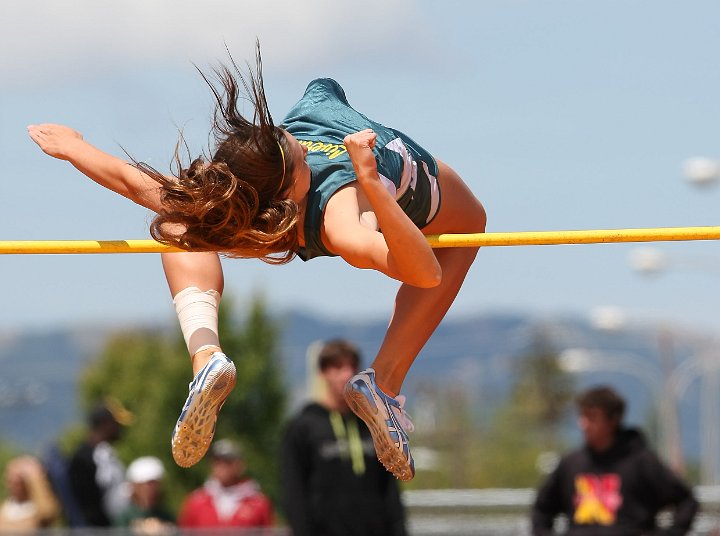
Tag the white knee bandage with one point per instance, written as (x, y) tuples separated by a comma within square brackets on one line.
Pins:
[(197, 312)]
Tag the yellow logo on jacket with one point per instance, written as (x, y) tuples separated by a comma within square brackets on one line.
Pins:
[(597, 499)]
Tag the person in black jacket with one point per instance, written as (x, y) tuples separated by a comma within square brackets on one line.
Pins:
[(97, 477), (614, 485), (332, 482)]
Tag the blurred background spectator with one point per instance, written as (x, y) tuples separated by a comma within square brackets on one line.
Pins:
[(97, 476), (229, 497), (614, 485), (146, 512), (30, 503), (332, 482)]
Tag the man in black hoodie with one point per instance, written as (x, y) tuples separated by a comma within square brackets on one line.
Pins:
[(332, 482), (614, 485), (97, 477)]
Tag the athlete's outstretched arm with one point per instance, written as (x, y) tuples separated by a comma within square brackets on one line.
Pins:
[(200, 271), (109, 171), (401, 250)]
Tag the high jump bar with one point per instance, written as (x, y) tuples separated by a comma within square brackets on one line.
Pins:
[(525, 238)]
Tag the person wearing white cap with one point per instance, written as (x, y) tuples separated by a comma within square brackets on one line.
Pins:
[(144, 476)]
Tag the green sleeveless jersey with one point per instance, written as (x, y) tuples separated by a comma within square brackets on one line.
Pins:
[(320, 121)]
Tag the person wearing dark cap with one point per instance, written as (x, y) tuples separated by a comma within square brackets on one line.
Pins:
[(328, 467), (229, 498), (614, 485), (97, 476)]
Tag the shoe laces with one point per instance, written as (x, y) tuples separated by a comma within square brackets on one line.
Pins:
[(401, 415)]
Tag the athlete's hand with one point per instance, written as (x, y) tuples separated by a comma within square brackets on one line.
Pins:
[(55, 140), (359, 147)]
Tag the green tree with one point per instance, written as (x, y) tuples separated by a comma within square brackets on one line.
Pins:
[(148, 371), (254, 412), (145, 372), (529, 422), (455, 442), (543, 390), (7, 452)]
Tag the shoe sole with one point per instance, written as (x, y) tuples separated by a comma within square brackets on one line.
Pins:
[(193, 437), (389, 455)]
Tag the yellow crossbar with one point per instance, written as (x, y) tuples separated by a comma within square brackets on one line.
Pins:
[(546, 238), (82, 246), (532, 238)]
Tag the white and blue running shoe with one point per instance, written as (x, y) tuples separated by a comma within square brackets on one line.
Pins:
[(387, 421), (196, 426)]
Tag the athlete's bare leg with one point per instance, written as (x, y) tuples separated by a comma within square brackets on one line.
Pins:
[(196, 269), (419, 311)]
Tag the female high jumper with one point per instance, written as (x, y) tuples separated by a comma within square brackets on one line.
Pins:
[(327, 181)]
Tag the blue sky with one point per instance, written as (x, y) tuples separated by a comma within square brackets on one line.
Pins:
[(559, 115)]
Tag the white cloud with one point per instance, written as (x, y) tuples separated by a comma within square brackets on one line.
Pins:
[(45, 40)]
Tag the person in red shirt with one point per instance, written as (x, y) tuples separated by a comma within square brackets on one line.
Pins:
[(229, 498)]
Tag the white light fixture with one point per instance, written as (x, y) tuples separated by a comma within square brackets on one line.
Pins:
[(701, 171), (648, 260)]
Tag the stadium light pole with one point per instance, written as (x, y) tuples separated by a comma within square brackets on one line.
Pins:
[(702, 172), (706, 367), (651, 261)]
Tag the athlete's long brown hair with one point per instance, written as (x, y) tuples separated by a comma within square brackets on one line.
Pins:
[(234, 202)]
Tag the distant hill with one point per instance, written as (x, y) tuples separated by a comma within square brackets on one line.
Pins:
[(37, 385), (40, 369)]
